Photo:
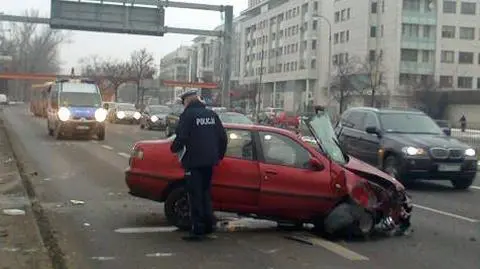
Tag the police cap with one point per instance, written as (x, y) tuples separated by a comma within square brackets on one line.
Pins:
[(187, 94)]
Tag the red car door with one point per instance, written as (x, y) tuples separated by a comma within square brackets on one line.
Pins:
[(236, 180), (290, 187)]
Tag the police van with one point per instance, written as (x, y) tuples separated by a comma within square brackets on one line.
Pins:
[(75, 109)]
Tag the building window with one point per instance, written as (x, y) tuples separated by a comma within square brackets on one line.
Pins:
[(343, 15), (411, 5), (313, 64), (479, 58), (465, 82), (467, 33), (314, 44), (427, 31), (450, 7), (337, 16), (371, 55), (478, 83), (314, 25), (348, 13), (447, 56), (342, 37), (468, 8), (374, 7), (465, 57), (409, 55), (426, 56), (381, 30), (410, 30), (347, 35), (373, 31), (335, 38), (448, 31), (446, 81)]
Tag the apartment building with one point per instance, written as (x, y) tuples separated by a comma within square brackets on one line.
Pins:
[(175, 65), (284, 48)]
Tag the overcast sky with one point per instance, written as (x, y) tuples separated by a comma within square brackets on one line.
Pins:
[(120, 45)]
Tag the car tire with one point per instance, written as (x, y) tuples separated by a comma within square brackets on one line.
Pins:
[(101, 134), (177, 210), (50, 131), (142, 126), (349, 219), (462, 184)]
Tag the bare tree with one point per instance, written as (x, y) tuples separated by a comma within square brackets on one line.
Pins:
[(372, 67), (426, 96), (33, 49), (108, 73), (344, 83), (143, 66)]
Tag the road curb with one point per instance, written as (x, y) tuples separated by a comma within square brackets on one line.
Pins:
[(47, 233)]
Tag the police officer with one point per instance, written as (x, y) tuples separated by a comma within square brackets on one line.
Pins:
[(201, 133)]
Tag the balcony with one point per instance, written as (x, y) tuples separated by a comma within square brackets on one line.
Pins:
[(417, 67), (422, 43), (416, 17)]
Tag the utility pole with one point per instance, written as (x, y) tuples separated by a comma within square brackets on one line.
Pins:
[(259, 87), (227, 52)]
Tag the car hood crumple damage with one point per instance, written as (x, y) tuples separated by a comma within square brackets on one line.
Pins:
[(394, 205), (373, 174)]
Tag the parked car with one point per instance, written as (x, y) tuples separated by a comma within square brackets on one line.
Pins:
[(272, 173), (286, 119), (124, 113), (267, 115), (445, 126), (172, 118), (407, 144), (154, 117), (233, 117)]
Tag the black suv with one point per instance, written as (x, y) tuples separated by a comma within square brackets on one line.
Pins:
[(407, 144)]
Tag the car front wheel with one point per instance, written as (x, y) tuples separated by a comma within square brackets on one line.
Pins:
[(177, 209), (463, 183)]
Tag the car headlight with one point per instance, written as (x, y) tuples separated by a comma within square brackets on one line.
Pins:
[(413, 151), (137, 115), (154, 118), (100, 114), (64, 114), (120, 114), (470, 152)]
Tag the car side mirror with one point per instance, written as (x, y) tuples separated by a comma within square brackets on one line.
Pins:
[(447, 131), (316, 165), (373, 130)]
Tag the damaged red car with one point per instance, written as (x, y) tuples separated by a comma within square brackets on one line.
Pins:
[(275, 174)]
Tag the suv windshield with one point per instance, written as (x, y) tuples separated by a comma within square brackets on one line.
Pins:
[(126, 107), (80, 99), (159, 109), (321, 126), (408, 123)]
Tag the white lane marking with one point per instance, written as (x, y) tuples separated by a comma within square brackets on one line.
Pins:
[(159, 254), (107, 147), (123, 154), (95, 141), (446, 213), (138, 230), (103, 258), (475, 187)]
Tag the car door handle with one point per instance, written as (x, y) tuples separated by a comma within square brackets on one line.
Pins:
[(270, 172)]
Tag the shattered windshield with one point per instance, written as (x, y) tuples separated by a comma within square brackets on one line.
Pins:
[(321, 128)]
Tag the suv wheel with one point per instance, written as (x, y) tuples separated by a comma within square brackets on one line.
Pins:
[(463, 183), (177, 209)]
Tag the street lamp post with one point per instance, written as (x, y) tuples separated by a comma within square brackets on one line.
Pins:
[(318, 17)]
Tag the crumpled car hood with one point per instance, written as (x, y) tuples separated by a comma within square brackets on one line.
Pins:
[(360, 168)]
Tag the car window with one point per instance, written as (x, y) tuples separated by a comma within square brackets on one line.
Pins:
[(240, 144), (282, 150), (370, 121), (355, 120)]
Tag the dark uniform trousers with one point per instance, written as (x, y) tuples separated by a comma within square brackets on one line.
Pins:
[(199, 184)]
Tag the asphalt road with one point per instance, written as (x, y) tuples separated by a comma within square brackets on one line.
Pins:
[(110, 229)]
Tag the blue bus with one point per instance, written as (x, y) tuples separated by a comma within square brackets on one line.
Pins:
[(75, 109)]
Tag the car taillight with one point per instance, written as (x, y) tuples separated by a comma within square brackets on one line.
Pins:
[(363, 195), (137, 153)]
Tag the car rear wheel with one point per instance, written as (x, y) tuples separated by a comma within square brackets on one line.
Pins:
[(177, 209), (463, 183), (142, 126), (50, 130), (101, 134)]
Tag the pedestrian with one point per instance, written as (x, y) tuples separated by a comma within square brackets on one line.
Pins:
[(202, 140), (463, 123)]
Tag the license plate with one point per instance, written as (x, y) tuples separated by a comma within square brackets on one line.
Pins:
[(83, 127), (449, 167)]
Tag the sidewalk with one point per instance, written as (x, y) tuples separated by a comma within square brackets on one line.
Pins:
[(20, 242)]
